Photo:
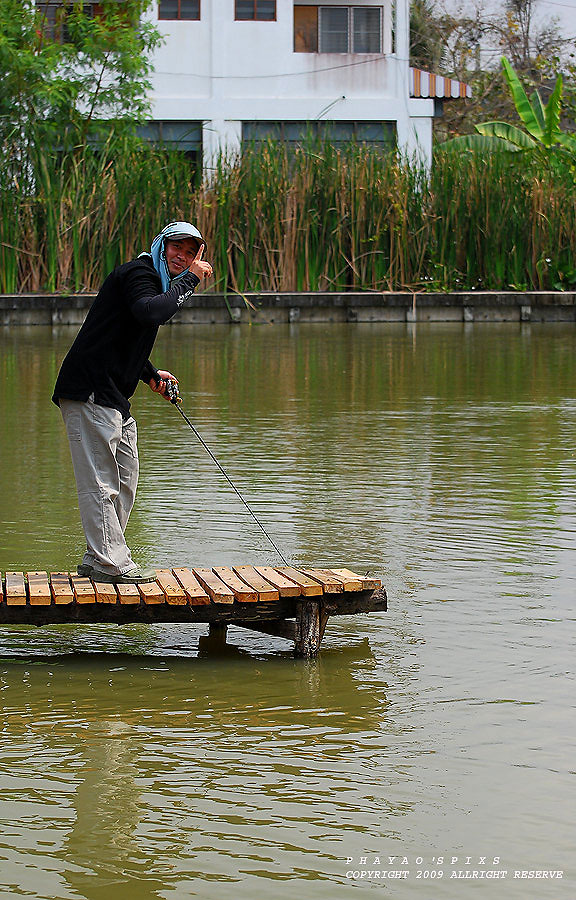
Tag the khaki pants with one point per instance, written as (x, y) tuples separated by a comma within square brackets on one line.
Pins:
[(105, 460)]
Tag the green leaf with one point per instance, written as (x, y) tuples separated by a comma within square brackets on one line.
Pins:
[(539, 109), (568, 141), (521, 102), (478, 142), (553, 110), (506, 132)]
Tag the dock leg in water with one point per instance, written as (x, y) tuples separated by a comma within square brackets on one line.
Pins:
[(217, 632), (311, 622)]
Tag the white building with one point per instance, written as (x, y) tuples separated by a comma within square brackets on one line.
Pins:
[(231, 71)]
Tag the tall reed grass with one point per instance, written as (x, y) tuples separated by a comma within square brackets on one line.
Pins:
[(312, 219)]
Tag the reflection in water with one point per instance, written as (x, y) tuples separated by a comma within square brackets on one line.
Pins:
[(104, 839), (143, 762), (184, 760)]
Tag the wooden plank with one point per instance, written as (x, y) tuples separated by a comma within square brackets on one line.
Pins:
[(351, 582), (351, 602), (284, 628), (15, 589), (61, 588), (83, 589), (266, 592), (330, 582), (366, 584), (195, 593), (308, 587), (105, 592), (284, 586), (39, 589), (242, 591), (128, 593), (172, 588), (151, 592), (218, 591)]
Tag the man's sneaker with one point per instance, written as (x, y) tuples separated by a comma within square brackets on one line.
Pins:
[(84, 570), (136, 575)]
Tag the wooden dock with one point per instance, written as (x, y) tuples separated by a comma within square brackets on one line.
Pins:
[(292, 603)]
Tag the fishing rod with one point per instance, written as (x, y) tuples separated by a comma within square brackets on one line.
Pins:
[(176, 400)]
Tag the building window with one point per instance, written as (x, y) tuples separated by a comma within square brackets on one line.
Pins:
[(380, 135), (305, 29), (338, 29), (255, 10), (179, 9), (366, 30), (174, 134), (53, 15)]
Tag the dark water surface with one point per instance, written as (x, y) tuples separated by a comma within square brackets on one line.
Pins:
[(137, 764)]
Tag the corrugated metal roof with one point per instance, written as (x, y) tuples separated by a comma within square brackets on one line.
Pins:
[(426, 84)]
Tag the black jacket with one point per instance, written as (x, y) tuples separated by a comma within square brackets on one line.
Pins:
[(111, 350)]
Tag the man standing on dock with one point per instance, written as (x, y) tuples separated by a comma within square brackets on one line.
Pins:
[(98, 376)]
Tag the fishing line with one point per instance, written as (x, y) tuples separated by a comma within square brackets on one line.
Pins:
[(176, 400)]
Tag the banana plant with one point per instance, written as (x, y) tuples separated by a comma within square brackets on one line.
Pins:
[(541, 123)]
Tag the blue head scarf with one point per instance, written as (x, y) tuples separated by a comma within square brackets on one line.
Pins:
[(157, 251)]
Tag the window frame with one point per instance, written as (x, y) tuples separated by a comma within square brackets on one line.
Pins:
[(350, 33), (179, 18), (255, 18), (52, 16), (276, 130)]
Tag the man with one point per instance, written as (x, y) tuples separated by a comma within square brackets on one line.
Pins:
[(98, 376)]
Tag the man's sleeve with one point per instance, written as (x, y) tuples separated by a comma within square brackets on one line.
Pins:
[(150, 307), (148, 372)]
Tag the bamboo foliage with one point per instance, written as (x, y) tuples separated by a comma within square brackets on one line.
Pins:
[(312, 219)]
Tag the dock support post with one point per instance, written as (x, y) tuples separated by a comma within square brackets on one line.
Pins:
[(311, 622), (217, 632)]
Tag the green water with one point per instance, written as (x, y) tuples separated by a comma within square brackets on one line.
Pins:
[(138, 762)]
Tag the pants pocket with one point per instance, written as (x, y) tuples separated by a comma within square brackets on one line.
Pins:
[(73, 429), (130, 435)]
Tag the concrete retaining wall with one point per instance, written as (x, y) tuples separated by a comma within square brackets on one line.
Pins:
[(206, 308)]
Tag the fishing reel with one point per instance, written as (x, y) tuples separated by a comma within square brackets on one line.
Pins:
[(172, 391)]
